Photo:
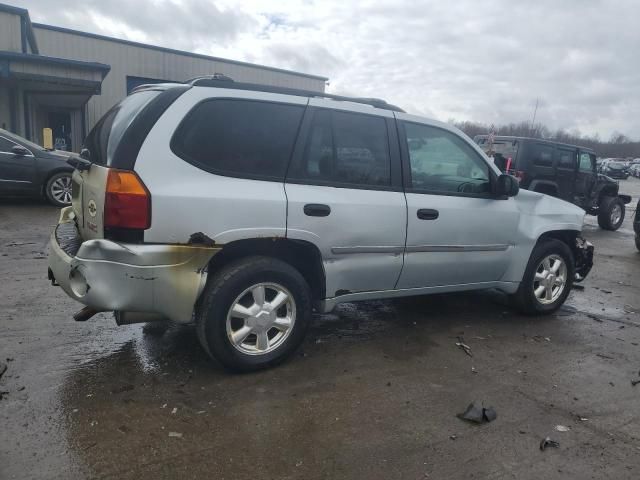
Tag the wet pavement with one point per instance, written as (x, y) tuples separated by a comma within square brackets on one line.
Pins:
[(373, 392)]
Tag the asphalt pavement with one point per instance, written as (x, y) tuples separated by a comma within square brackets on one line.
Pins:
[(373, 393)]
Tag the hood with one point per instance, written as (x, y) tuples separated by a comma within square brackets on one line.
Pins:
[(60, 155), (549, 213)]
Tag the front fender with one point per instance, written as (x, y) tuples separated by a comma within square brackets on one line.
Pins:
[(539, 215)]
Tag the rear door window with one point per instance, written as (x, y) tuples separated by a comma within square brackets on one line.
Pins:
[(566, 158), (240, 138), (345, 149)]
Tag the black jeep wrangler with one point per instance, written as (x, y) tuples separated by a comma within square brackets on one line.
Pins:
[(561, 170)]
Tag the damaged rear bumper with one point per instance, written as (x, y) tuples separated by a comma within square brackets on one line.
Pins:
[(583, 252), (164, 280)]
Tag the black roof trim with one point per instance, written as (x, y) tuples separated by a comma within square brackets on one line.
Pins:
[(222, 81), (29, 57), (539, 140), (174, 51)]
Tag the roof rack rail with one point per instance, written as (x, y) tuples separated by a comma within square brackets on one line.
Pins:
[(222, 81)]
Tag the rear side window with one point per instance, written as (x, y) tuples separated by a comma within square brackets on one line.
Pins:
[(239, 138), (542, 155), (105, 137), (347, 149)]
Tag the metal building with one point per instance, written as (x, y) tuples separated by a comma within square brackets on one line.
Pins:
[(66, 80)]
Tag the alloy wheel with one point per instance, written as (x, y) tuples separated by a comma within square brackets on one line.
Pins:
[(261, 318), (61, 189), (550, 279)]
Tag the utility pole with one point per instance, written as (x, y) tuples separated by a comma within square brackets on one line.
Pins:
[(533, 120)]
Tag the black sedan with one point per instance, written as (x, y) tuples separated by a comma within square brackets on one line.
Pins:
[(28, 169), (616, 170)]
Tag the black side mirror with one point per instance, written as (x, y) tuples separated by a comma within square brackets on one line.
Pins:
[(19, 150), (507, 186)]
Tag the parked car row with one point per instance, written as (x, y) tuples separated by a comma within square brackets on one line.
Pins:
[(615, 168)]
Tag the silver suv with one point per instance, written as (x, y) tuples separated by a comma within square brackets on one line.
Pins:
[(245, 207)]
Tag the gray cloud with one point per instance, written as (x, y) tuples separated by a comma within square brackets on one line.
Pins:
[(469, 60)]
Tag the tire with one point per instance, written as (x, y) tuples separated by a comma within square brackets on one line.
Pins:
[(233, 286), (610, 213), (57, 190), (638, 242), (525, 299)]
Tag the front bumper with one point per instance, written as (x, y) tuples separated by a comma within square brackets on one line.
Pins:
[(165, 280), (583, 252)]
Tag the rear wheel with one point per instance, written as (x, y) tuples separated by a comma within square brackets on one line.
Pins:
[(547, 280), (254, 313), (58, 189), (610, 213)]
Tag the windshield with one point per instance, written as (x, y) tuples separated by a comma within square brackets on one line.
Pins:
[(616, 165), (103, 140)]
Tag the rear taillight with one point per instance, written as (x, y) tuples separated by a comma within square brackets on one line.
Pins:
[(127, 202)]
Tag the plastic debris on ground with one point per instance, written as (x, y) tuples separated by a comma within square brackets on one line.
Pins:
[(476, 413), (547, 442)]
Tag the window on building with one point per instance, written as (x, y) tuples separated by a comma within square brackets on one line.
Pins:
[(443, 162), (346, 149), (239, 137)]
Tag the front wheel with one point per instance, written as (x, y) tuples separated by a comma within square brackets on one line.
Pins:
[(547, 280), (254, 313), (58, 189), (610, 213)]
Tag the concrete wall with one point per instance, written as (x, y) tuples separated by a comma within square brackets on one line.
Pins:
[(10, 32), (127, 59)]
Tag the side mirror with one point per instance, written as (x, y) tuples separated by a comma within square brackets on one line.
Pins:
[(507, 186), (19, 150)]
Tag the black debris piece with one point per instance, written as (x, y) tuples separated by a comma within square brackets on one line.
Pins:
[(3, 368), (476, 413), (634, 382), (578, 287), (547, 442)]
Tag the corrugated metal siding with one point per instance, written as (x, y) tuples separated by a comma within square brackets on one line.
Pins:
[(10, 33), (129, 60), (5, 109)]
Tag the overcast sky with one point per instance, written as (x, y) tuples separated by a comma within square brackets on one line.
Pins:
[(465, 59)]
